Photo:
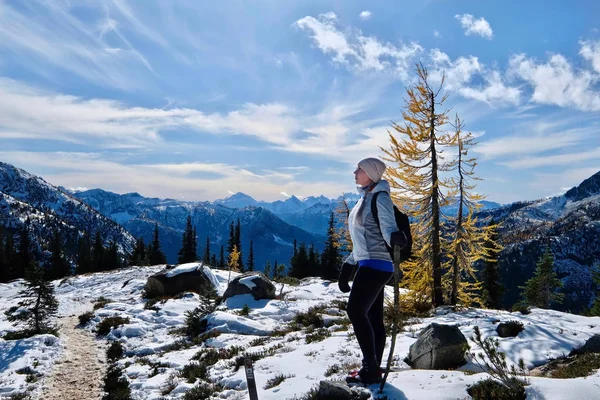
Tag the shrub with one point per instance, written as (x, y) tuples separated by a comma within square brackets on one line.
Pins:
[(311, 317), (333, 369), (85, 318), (509, 329), (489, 389), (513, 379), (201, 392), (101, 302), (276, 380), (260, 341), (18, 335), (19, 396), (108, 323), (115, 351), (318, 335), (116, 386), (583, 365), (212, 356), (193, 371), (522, 308), (245, 311), (169, 385)]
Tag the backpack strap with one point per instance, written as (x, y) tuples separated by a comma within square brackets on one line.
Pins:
[(375, 214)]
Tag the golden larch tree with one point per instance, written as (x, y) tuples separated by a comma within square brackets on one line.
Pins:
[(415, 156)]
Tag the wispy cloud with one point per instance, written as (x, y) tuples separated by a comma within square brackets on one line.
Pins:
[(553, 160), (473, 26), (356, 51), (365, 15)]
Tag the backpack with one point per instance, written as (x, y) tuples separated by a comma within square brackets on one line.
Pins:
[(403, 225)]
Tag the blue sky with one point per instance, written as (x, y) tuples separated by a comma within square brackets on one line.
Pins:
[(195, 99)]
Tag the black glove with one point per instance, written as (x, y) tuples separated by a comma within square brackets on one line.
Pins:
[(345, 274), (398, 239)]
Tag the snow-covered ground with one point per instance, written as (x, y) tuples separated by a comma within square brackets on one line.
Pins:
[(148, 339)]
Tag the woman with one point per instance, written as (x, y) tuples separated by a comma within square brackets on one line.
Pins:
[(375, 266)]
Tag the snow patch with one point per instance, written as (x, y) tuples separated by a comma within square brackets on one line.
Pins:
[(183, 268)]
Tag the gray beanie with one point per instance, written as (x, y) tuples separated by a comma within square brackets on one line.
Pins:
[(373, 167)]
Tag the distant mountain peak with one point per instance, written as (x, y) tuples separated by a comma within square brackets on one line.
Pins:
[(587, 188)]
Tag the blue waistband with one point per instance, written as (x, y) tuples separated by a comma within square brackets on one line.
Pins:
[(380, 265)]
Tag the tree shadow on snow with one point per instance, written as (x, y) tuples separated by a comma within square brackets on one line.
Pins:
[(11, 351)]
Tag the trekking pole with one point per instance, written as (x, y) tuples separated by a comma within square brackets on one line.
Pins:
[(249, 368), (395, 317)]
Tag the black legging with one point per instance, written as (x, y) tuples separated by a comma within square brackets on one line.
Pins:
[(365, 310)]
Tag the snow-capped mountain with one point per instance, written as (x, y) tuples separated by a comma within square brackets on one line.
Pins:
[(272, 238), (569, 224), (238, 200), (26, 197)]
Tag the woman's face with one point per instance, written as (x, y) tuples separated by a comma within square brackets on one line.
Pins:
[(361, 178)]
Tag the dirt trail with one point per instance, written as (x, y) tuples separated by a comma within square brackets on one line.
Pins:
[(78, 373)]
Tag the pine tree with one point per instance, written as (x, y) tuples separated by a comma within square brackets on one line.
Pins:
[(155, 253), (233, 263), (278, 270), (3, 264), (11, 258), (467, 246), (300, 268), (222, 258), (39, 305), (138, 256), (331, 258), (420, 189), (213, 261), (206, 258), (238, 243), (541, 290), (25, 256), (231, 240), (314, 266), (111, 257), (595, 310), (59, 267), (342, 212), (251, 258), (267, 270), (187, 253), (194, 245), (491, 286), (98, 254), (84, 254)]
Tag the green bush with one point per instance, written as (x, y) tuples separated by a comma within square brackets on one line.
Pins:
[(108, 323), (276, 380), (101, 302), (317, 335), (489, 389), (116, 386), (583, 365), (193, 371), (522, 308), (201, 392), (312, 317), (115, 351), (85, 318), (509, 329)]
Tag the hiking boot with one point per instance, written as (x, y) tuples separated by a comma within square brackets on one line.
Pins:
[(365, 377)]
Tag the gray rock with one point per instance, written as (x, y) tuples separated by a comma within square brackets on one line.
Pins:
[(160, 284), (592, 345), (509, 329), (334, 391), (260, 286), (438, 347)]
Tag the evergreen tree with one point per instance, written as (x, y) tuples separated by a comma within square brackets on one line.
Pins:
[(187, 253), (251, 258), (331, 258), (233, 263), (293, 260), (155, 253), (595, 310), (138, 256), (59, 267), (238, 243), (222, 258), (84, 254), (470, 237), (39, 305), (98, 254), (231, 241), (342, 212), (213, 261), (541, 290), (419, 188), (25, 256), (206, 258), (111, 257), (11, 258), (314, 266), (3, 263), (491, 286), (194, 245), (301, 267), (278, 270), (267, 270)]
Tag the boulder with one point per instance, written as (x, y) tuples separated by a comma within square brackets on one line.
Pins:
[(592, 345), (254, 283), (509, 329), (438, 347), (331, 390), (184, 278)]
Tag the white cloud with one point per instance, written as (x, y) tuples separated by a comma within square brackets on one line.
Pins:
[(285, 194), (365, 15), (459, 74), (356, 51), (475, 26), (437, 34), (591, 51), (556, 82)]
